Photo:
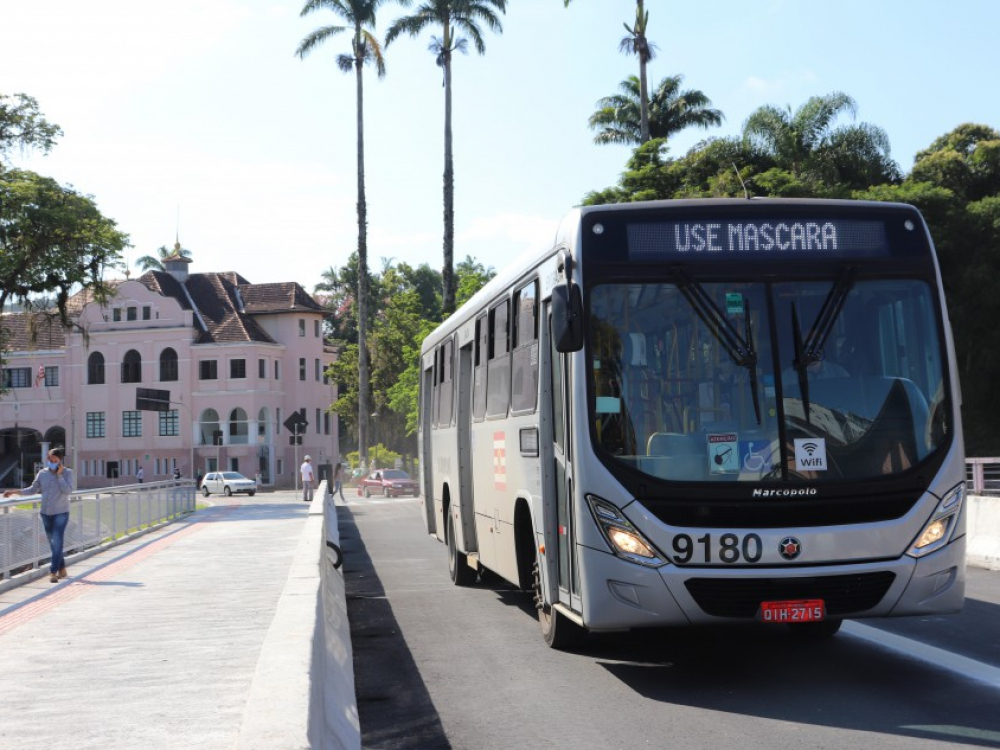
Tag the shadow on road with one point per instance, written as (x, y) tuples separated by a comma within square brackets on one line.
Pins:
[(394, 707)]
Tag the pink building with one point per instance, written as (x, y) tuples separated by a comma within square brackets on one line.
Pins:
[(240, 361)]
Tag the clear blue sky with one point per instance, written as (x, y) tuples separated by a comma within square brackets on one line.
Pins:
[(199, 108)]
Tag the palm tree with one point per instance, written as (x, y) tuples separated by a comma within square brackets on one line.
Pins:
[(454, 17), (637, 44), (670, 111), (360, 17), (155, 262), (806, 141)]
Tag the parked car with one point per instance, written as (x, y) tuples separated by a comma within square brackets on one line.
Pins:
[(227, 482), (388, 482)]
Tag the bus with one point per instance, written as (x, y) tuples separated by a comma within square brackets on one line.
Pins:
[(704, 411)]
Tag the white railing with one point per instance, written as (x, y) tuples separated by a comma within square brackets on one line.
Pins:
[(983, 475), (97, 518)]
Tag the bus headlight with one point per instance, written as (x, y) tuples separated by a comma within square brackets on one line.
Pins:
[(623, 538), (938, 531)]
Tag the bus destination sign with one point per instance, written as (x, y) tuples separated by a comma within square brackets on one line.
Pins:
[(732, 240)]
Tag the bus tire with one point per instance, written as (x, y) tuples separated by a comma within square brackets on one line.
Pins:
[(558, 631), (458, 563), (815, 630)]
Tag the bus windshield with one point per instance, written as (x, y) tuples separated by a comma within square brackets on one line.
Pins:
[(839, 379)]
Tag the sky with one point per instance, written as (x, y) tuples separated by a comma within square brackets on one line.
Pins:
[(195, 120)]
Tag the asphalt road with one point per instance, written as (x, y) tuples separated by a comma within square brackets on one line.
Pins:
[(439, 666)]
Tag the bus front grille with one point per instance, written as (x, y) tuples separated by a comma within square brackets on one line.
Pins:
[(741, 597)]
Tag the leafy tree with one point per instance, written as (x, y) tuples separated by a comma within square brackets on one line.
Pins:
[(670, 111), (365, 48), (454, 17), (53, 240), (155, 262), (806, 143)]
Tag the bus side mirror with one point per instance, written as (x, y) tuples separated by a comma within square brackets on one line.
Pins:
[(567, 318)]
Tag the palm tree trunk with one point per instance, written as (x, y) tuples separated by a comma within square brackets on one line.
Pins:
[(364, 372), (643, 86), (448, 271)]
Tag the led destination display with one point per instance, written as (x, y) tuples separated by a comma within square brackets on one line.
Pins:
[(733, 240)]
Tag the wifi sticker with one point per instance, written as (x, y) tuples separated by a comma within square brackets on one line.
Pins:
[(810, 454)]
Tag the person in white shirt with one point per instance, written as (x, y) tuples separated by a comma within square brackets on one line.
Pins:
[(306, 470), (139, 475)]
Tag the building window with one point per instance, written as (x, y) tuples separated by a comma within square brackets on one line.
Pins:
[(239, 427), (319, 421), (133, 313), (326, 376), (51, 375), (262, 369), (208, 369), (168, 364), (170, 424), (131, 424), (277, 423), (316, 328), (95, 424), (95, 369), (17, 377), (319, 371), (326, 423), (147, 313), (302, 327), (116, 315), (237, 368), (302, 368), (277, 369), (132, 367)]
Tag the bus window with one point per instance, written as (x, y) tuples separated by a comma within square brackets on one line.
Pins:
[(479, 383), (524, 383), (498, 377), (447, 386)]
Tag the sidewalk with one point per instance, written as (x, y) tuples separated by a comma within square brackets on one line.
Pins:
[(155, 643)]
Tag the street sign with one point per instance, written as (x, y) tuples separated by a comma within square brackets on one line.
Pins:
[(296, 423), (151, 399)]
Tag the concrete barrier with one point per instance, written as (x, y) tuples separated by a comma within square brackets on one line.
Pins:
[(302, 694), (983, 528)]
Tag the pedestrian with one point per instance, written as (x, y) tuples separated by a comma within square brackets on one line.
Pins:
[(55, 484), (306, 470), (338, 481), (177, 473), (139, 475)]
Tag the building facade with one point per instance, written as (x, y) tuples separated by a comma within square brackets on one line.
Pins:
[(240, 363)]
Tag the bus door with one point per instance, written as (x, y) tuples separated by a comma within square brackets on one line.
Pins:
[(467, 521), (564, 527), (424, 449)]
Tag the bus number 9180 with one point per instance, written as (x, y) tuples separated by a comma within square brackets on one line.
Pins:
[(708, 549)]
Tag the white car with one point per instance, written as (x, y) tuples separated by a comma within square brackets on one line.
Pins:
[(227, 482)]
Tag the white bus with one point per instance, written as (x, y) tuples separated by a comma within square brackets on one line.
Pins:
[(704, 411)]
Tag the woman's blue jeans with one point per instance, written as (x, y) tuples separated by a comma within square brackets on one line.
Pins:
[(55, 530)]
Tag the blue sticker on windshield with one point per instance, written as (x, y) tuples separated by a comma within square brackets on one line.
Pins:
[(755, 456)]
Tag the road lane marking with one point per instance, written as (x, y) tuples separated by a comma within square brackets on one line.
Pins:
[(970, 668)]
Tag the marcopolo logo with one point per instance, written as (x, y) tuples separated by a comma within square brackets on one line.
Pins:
[(789, 492)]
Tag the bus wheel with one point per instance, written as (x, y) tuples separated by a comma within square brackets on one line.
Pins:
[(558, 631), (458, 565), (815, 630)]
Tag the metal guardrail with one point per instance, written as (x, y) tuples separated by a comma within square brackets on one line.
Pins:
[(97, 518), (983, 475)]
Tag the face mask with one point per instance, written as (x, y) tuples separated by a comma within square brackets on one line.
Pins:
[(53, 465)]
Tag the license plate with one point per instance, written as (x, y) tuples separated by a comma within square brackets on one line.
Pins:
[(797, 610)]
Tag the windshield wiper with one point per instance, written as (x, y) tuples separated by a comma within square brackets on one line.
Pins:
[(810, 351), (740, 350)]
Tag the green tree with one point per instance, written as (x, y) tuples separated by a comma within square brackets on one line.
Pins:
[(807, 144), (155, 262), (454, 17), (360, 18), (53, 240), (670, 111)]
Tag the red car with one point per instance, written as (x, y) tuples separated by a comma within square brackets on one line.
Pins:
[(389, 483)]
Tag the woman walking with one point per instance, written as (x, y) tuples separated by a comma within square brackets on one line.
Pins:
[(55, 484), (338, 481)]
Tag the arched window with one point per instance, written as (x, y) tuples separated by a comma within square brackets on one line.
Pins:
[(132, 367), (211, 432), (238, 427), (95, 369), (168, 364)]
